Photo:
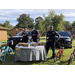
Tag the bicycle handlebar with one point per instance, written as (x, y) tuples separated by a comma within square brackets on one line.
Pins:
[(61, 44)]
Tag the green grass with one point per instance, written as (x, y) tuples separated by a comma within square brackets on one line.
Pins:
[(3, 41), (63, 60)]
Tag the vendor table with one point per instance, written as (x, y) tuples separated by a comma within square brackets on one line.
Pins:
[(31, 53)]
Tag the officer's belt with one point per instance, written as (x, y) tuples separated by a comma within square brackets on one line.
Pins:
[(51, 40)]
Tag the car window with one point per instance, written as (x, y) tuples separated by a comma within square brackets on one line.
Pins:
[(19, 34), (64, 33), (29, 33)]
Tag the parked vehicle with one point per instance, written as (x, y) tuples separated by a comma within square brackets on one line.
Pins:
[(18, 38), (65, 38)]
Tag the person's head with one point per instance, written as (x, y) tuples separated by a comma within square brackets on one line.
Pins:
[(33, 28), (25, 29), (51, 28)]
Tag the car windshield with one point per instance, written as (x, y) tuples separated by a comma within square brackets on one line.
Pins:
[(20, 34), (64, 33)]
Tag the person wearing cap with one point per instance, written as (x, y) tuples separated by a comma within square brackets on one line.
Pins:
[(34, 34), (25, 35), (50, 41)]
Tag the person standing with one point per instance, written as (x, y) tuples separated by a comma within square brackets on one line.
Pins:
[(25, 35), (34, 34), (50, 41)]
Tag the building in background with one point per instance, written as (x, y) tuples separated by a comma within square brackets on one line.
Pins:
[(72, 30), (3, 33), (14, 31)]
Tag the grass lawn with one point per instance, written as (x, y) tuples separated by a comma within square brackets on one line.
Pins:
[(63, 60)]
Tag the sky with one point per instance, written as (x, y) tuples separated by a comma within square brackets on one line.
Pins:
[(12, 14)]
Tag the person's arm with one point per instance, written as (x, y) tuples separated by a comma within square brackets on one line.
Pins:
[(36, 33), (23, 34), (47, 37), (58, 36), (27, 34)]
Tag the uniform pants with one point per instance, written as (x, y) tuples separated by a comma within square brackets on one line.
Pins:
[(34, 39), (52, 45)]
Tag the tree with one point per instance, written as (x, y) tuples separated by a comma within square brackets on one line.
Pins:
[(66, 24), (39, 23), (48, 19), (7, 25), (73, 24), (25, 21), (57, 22), (1, 24)]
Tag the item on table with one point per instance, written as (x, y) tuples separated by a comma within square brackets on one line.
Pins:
[(27, 45), (37, 44), (24, 44), (34, 44), (41, 43), (21, 43)]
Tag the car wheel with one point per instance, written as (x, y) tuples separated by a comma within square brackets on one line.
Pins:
[(71, 46)]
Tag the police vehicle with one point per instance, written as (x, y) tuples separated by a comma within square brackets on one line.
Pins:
[(65, 38), (18, 38)]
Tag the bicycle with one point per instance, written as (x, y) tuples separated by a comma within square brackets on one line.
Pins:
[(6, 51), (72, 56), (59, 53)]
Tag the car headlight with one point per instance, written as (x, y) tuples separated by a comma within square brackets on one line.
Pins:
[(20, 39), (69, 39)]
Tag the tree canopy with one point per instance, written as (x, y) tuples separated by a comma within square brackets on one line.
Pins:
[(25, 21), (7, 25), (41, 23), (73, 24)]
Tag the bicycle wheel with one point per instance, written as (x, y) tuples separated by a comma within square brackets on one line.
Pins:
[(70, 60), (10, 51), (3, 58), (57, 57)]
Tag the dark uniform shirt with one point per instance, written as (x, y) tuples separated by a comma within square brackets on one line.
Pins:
[(51, 35), (25, 38), (35, 32)]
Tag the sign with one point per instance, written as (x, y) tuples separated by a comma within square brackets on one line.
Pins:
[(18, 52)]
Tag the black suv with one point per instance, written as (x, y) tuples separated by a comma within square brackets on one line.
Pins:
[(65, 38), (18, 38)]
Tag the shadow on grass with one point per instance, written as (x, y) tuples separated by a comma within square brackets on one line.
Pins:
[(63, 62), (27, 62)]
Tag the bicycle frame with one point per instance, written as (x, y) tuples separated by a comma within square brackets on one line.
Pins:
[(4, 53), (59, 53), (72, 56)]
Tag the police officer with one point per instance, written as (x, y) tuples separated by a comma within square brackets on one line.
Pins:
[(50, 40), (25, 35), (34, 35)]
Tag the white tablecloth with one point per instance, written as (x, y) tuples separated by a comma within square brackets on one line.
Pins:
[(32, 53)]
